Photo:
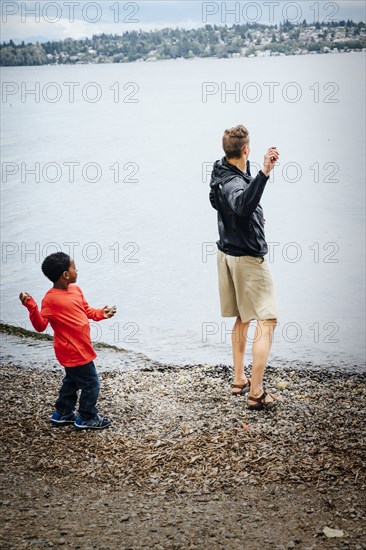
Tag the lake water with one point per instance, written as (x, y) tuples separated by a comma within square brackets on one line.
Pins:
[(143, 238)]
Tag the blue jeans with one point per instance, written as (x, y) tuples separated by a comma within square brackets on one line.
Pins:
[(84, 378)]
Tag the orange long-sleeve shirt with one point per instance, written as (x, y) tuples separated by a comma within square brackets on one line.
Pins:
[(68, 313)]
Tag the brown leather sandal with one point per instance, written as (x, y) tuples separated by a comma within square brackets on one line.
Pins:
[(244, 388), (261, 403)]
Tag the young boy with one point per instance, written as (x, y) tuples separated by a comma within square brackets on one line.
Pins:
[(67, 311)]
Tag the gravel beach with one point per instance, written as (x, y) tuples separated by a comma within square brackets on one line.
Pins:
[(185, 464)]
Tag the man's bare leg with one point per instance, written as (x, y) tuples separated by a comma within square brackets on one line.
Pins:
[(238, 341), (261, 347)]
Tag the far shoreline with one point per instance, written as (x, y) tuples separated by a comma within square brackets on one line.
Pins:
[(183, 60)]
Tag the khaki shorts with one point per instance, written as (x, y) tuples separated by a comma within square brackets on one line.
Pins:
[(246, 288)]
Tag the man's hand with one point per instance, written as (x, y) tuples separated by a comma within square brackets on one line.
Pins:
[(270, 159), (23, 297), (109, 311)]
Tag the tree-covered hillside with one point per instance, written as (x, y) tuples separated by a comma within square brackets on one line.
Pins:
[(208, 41)]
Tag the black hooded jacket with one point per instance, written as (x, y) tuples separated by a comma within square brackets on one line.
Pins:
[(236, 197)]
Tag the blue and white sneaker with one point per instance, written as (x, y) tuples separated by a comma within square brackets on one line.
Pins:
[(98, 423), (58, 419)]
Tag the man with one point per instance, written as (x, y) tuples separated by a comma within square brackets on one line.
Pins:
[(245, 283)]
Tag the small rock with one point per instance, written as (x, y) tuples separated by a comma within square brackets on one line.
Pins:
[(282, 384), (332, 533)]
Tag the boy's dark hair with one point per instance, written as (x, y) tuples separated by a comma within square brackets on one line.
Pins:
[(234, 140), (55, 264)]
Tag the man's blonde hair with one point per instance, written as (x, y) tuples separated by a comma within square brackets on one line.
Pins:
[(234, 140)]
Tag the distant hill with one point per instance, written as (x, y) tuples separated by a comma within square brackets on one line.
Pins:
[(247, 40)]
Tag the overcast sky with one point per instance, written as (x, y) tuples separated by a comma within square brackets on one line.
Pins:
[(55, 20)]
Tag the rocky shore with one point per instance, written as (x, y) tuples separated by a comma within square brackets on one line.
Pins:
[(185, 464)]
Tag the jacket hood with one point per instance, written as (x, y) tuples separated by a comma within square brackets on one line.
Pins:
[(223, 172)]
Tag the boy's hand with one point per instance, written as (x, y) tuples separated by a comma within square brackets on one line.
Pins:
[(270, 160), (24, 296), (109, 311)]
